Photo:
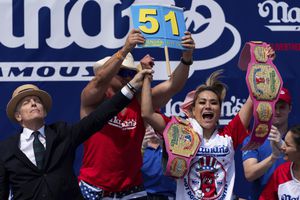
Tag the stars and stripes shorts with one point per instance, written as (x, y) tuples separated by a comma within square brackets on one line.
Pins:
[(90, 192)]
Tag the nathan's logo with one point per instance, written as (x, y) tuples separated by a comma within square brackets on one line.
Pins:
[(229, 109), (122, 124), (218, 151), (288, 197), (51, 28), (65, 28), (281, 16)]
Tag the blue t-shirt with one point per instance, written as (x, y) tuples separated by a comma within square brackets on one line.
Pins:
[(260, 154), (154, 180)]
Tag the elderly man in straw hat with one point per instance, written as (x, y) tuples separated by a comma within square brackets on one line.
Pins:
[(111, 164), (37, 163)]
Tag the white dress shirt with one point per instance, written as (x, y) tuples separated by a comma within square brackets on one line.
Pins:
[(26, 138), (26, 142)]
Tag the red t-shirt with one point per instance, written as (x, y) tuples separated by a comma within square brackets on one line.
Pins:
[(112, 157), (282, 185)]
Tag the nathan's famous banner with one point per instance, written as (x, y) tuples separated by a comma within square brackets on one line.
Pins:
[(54, 43)]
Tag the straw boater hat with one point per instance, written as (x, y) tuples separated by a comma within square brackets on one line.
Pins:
[(23, 91), (127, 63)]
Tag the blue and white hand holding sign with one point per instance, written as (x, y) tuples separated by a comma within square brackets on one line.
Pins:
[(161, 25)]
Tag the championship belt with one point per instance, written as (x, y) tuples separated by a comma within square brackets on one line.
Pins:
[(264, 84), (182, 144)]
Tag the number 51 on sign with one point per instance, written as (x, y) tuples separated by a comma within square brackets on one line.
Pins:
[(162, 26)]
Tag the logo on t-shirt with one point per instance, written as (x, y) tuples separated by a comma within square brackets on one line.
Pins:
[(206, 178), (217, 151), (288, 197), (128, 124)]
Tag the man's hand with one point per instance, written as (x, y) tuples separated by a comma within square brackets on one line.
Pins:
[(147, 62), (137, 80), (276, 141), (188, 42), (134, 37)]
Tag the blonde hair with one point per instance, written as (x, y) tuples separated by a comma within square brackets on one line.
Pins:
[(212, 84)]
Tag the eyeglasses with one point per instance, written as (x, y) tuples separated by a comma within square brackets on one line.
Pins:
[(126, 73)]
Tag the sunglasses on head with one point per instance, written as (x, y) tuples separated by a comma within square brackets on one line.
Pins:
[(123, 72)]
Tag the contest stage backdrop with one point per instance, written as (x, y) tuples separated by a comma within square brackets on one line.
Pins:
[(54, 43)]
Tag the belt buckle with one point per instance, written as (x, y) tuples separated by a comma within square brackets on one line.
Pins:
[(182, 144)]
